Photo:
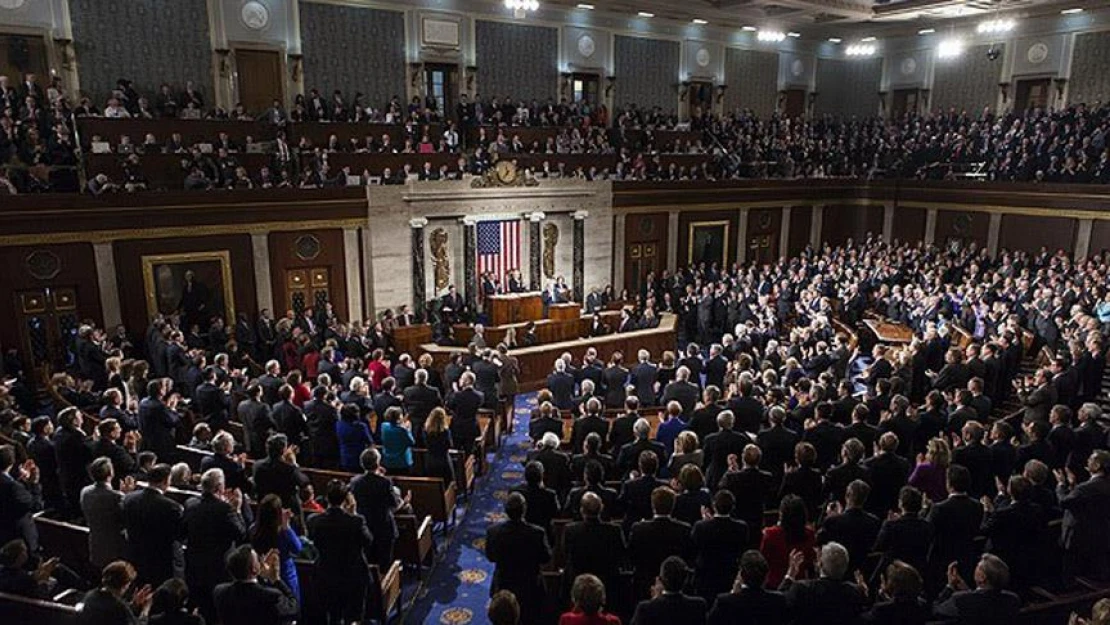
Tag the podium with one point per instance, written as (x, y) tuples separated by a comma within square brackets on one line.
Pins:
[(564, 312), (514, 308), (407, 338)]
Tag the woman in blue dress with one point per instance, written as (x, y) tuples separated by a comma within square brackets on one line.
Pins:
[(354, 437), (397, 443), (271, 530)]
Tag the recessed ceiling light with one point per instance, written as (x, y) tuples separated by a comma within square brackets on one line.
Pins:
[(835, 40), (772, 36), (926, 31), (950, 48), (1071, 11), (586, 7), (867, 39), (750, 29), (793, 34), (646, 14), (699, 21)]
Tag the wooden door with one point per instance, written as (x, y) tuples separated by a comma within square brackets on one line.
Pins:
[(904, 101), (21, 55), (586, 87), (1033, 94), (639, 259), (259, 78), (700, 98), (794, 103), (48, 322), (307, 288), (442, 86)]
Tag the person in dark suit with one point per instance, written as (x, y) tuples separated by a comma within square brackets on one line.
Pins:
[(1086, 525), (377, 501), (213, 524), (652, 541), (542, 502), (154, 527), (487, 377), (547, 421), (517, 550), (718, 540), (703, 421), (750, 603), (270, 382), (256, 596), (900, 602), (322, 415), (614, 379), (591, 423), (106, 605), (905, 536), (976, 457), (1015, 527), (212, 402), (669, 605), (290, 419), (346, 549), (556, 464), (591, 452), (421, 398), (851, 525), (100, 506), (636, 491), (718, 447), (990, 602), (621, 430), (747, 409), (234, 467), (681, 390), (777, 442), (257, 419), (956, 522), (751, 488), (561, 385), (20, 498), (889, 473), (278, 474), (73, 452), (644, 376), (593, 546), (1038, 396), (850, 469), (829, 599), (628, 458)]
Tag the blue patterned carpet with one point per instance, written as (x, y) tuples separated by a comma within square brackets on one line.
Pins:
[(457, 590)]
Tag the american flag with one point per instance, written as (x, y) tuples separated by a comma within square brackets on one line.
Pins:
[(498, 247)]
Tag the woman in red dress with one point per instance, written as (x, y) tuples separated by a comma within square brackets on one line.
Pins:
[(791, 533), (588, 596)]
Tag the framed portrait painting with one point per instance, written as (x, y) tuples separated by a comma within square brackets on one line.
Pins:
[(195, 285), (707, 242)]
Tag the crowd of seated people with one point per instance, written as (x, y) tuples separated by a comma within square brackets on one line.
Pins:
[(36, 133)]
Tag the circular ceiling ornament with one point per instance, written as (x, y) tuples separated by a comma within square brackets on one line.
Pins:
[(12, 4), (43, 264), (909, 66), (255, 15), (702, 57), (1037, 53), (586, 46), (797, 67)]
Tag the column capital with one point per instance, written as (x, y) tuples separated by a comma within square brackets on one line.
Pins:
[(536, 217), (579, 215), (469, 220), (418, 222)]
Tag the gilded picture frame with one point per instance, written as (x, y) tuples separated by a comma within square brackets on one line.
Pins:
[(164, 278), (697, 236)]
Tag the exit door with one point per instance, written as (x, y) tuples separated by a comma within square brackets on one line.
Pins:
[(48, 322)]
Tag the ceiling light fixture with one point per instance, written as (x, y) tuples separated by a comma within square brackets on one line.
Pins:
[(1072, 11), (750, 29), (860, 49), (793, 34), (586, 7), (950, 48), (992, 27), (835, 39), (926, 31), (771, 36), (867, 39), (699, 21), (645, 14), (522, 5)]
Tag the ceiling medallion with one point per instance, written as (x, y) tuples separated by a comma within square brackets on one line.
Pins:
[(43, 264), (255, 15), (1038, 52), (797, 67), (586, 46), (909, 66), (307, 247), (702, 57)]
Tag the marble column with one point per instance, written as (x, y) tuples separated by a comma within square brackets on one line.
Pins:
[(742, 235), (367, 271), (994, 231), (672, 241), (888, 222), (815, 226), (419, 289), (535, 248), (784, 232), (106, 281), (619, 223), (579, 280), (1083, 238), (930, 226), (264, 289), (354, 273), (470, 261)]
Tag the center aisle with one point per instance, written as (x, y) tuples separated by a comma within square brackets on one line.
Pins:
[(458, 590)]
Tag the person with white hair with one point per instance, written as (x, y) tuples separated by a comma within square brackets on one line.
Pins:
[(682, 390), (213, 525), (628, 457), (989, 602), (645, 376), (556, 464), (561, 384), (829, 599), (722, 444)]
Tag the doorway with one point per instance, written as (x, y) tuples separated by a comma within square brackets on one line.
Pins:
[(259, 79), (441, 83), (307, 288), (585, 88), (794, 103), (699, 98), (48, 322), (905, 101), (21, 55), (1033, 94), (641, 259)]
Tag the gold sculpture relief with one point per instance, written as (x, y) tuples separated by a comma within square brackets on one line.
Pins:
[(550, 240), (441, 261)]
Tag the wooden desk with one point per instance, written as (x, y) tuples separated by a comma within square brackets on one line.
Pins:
[(887, 332), (408, 339), (564, 312), (536, 362), (547, 330), (515, 308)]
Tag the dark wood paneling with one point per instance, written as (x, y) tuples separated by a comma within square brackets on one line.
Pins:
[(801, 220), (840, 223), (283, 257), (764, 223), (909, 224), (1100, 236), (688, 217), (77, 269), (129, 270), (1029, 233), (964, 226), (647, 229)]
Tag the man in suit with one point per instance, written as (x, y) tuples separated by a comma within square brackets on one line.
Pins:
[(101, 507), (851, 525), (1086, 525), (636, 491), (106, 603), (154, 526), (718, 447), (747, 409), (518, 549), (718, 540), (213, 524), (825, 436), (591, 422), (777, 442), (829, 599), (976, 457), (592, 546), (956, 521), (990, 602), (954, 373), (703, 421), (542, 502), (1038, 396), (1015, 527), (211, 401), (74, 454), (669, 605), (644, 377), (905, 536), (346, 550), (377, 502), (547, 421), (257, 419), (750, 603), (158, 419), (556, 464), (750, 487), (652, 541), (256, 596), (487, 375), (621, 430), (889, 473), (561, 385), (279, 474), (289, 419), (233, 467), (452, 305), (715, 367), (271, 382), (20, 498), (628, 457), (419, 400), (681, 390)]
